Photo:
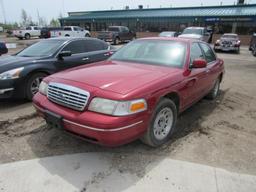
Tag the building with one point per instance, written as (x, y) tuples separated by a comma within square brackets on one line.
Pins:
[(239, 18)]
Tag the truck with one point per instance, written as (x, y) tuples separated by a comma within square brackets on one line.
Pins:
[(28, 32), (70, 31), (117, 34)]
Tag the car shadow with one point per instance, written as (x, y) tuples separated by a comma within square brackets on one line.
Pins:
[(11, 105), (134, 159)]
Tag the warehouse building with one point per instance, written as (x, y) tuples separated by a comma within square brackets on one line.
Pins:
[(239, 19)]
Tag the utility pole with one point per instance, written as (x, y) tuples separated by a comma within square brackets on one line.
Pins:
[(3, 10)]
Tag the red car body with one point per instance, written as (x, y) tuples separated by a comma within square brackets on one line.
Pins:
[(122, 81)]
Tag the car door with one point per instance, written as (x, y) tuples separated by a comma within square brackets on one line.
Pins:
[(212, 65), (124, 33), (80, 55), (195, 82)]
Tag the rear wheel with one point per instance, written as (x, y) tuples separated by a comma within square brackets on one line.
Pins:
[(215, 91), (87, 35), (27, 36), (33, 83), (162, 124)]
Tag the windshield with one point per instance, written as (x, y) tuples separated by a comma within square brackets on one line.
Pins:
[(114, 29), (41, 49), (163, 34), (156, 52), (192, 31), (230, 36)]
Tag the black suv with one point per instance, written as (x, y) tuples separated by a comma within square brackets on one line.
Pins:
[(3, 48), (117, 34)]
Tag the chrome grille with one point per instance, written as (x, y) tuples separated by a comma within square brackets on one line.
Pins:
[(68, 96)]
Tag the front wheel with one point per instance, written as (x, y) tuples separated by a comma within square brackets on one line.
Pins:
[(87, 35), (27, 36), (162, 123), (32, 85)]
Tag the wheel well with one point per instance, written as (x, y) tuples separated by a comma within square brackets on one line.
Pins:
[(175, 98), (27, 34), (34, 72)]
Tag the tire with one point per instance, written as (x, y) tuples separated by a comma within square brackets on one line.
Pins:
[(238, 51), (27, 36), (117, 41), (67, 35), (87, 35), (32, 84), (159, 130), (215, 90)]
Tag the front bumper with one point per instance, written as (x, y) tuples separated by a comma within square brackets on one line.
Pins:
[(224, 48), (12, 88), (94, 127)]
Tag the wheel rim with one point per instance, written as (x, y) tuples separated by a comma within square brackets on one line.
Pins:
[(117, 41), (35, 85), (216, 88), (163, 123)]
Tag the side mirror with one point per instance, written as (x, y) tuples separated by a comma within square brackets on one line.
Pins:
[(199, 63), (64, 54)]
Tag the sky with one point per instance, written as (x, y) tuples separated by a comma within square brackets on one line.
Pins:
[(52, 8)]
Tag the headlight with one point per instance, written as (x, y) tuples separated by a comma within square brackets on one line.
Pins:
[(43, 88), (218, 41), (11, 74), (117, 108)]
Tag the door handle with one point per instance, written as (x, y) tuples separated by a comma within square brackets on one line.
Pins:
[(85, 59)]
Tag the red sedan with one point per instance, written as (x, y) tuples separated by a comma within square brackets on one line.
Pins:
[(137, 93)]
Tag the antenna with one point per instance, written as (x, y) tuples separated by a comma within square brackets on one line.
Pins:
[(3, 9)]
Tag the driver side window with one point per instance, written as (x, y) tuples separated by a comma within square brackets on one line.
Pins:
[(195, 52)]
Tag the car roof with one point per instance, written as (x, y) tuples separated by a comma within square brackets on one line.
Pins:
[(195, 28), (70, 38), (230, 34), (178, 39)]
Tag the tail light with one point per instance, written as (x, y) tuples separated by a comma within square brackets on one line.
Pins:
[(59, 33), (217, 42)]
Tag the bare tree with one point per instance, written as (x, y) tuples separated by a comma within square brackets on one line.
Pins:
[(24, 18)]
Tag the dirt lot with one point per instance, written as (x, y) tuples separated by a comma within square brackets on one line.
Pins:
[(219, 133)]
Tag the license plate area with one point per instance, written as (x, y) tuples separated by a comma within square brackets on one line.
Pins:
[(54, 120)]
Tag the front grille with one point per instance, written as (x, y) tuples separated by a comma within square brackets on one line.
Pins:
[(68, 96)]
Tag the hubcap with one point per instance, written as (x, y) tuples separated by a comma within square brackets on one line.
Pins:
[(163, 123), (35, 85)]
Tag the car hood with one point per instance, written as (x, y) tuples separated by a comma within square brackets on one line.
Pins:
[(116, 76), (191, 36), (11, 62)]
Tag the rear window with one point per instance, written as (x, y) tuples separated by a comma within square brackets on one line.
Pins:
[(114, 29), (67, 29)]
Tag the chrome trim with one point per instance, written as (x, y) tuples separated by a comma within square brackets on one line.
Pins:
[(94, 128), (102, 130), (2, 91), (68, 96)]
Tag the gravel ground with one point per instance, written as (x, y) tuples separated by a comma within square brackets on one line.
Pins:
[(219, 133)]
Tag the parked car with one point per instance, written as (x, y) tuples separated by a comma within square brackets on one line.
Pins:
[(198, 33), (3, 48), (28, 32), (21, 74), (137, 93), (169, 34), (228, 42), (70, 31), (252, 46), (46, 31), (117, 34)]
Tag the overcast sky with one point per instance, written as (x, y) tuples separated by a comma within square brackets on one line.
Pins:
[(52, 8)]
